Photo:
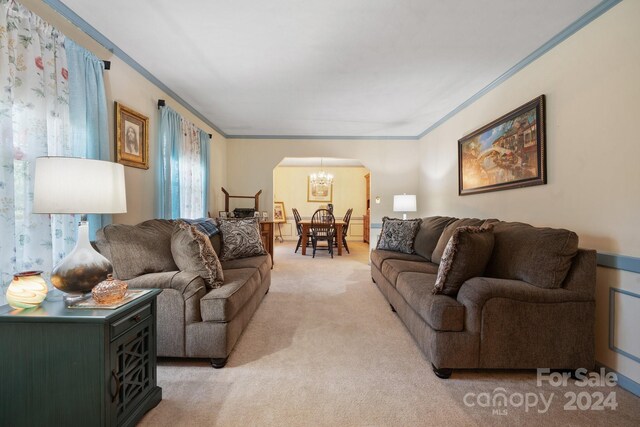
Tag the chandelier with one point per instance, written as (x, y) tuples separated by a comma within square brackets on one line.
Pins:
[(321, 178)]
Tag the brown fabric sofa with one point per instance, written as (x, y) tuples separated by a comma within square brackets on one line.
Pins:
[(533, 307), (193, 321)]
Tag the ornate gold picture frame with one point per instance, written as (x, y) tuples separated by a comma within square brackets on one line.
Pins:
[(132, 137), (279, 214)]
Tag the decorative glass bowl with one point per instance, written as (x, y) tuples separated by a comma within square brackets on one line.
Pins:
[(27, 290), (109, 291)]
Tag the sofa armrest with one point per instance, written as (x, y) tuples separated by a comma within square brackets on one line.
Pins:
[(187, 283), (475, 293), (184, 291)]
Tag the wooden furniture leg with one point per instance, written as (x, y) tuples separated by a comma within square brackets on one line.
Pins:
[(305, 238)]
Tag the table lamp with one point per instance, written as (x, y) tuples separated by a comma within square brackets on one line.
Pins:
[(404, 203), (68, 185)]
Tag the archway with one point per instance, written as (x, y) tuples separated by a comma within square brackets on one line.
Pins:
[(350, 189)]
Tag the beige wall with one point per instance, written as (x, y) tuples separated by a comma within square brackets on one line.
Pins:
[(290, 187), (592, 85), (125, 85), (393, 165)]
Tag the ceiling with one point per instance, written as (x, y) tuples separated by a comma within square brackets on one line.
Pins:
[(328, 68)]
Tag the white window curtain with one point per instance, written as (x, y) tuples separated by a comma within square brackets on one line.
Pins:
[(34, 122), (183, 175)]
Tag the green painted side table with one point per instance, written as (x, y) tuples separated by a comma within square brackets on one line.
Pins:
[(78, 367)]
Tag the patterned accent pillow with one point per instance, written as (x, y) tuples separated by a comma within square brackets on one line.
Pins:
[(436, 255), (207, 226), (466, 255), (192, 251), (241, 238), (398, 234)]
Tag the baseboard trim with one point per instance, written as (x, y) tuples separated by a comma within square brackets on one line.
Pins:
[(623, 381)]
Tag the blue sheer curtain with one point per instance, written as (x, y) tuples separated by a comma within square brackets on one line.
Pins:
[(88, 113), (168, 182), (183, 171)]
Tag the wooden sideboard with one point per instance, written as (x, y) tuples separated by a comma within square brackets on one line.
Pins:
[(266, 230)]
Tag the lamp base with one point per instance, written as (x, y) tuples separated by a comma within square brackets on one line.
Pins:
[(83, 268), (404, 216)]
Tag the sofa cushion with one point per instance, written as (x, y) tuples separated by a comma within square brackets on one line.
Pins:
[(378, 257), (398, 235), (241, 238), (139, 249), (261, 262), (540, 256), (428, 234), (192, 251), (441, 312), (465, 256), (436, 256), (393, 267), (152, 280), (223, 303)]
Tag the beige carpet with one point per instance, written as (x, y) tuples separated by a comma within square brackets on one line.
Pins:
[(324, 349)]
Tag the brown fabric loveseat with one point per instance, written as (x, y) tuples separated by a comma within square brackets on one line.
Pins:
[(193, 320), (533, 307)]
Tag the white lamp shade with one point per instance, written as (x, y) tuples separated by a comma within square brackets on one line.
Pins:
[(69, 185), (404, 203)]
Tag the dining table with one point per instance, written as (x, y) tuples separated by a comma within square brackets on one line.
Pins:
[(306, 226)]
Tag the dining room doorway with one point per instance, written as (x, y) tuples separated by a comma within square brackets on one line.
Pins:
[(294, 187)]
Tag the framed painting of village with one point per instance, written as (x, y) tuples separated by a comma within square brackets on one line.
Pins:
[(509, 152)]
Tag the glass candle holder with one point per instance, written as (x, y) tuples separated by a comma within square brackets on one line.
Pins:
[(109, 291), (27, 290)]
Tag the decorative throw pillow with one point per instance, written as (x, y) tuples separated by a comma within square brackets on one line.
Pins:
[(398, 234), (206, 226), (192, 251), (465, 256), (436, 255), (241, 238)]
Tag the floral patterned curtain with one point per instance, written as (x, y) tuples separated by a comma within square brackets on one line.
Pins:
[(191, 201), (34, 121), (184, 167)]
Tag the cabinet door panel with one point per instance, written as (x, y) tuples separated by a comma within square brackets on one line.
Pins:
[(132, 375)]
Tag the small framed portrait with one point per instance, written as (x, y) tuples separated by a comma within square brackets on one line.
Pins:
[(265, 215), (223, 214), (279, 212), (132, 137)]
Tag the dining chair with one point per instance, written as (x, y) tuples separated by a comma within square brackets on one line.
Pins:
[(323, 229), (298, 218), (345, 228)]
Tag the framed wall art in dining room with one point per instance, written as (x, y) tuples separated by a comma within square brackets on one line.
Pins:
[(279, 214), (321, 192), (509, 152), (132, 137)]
